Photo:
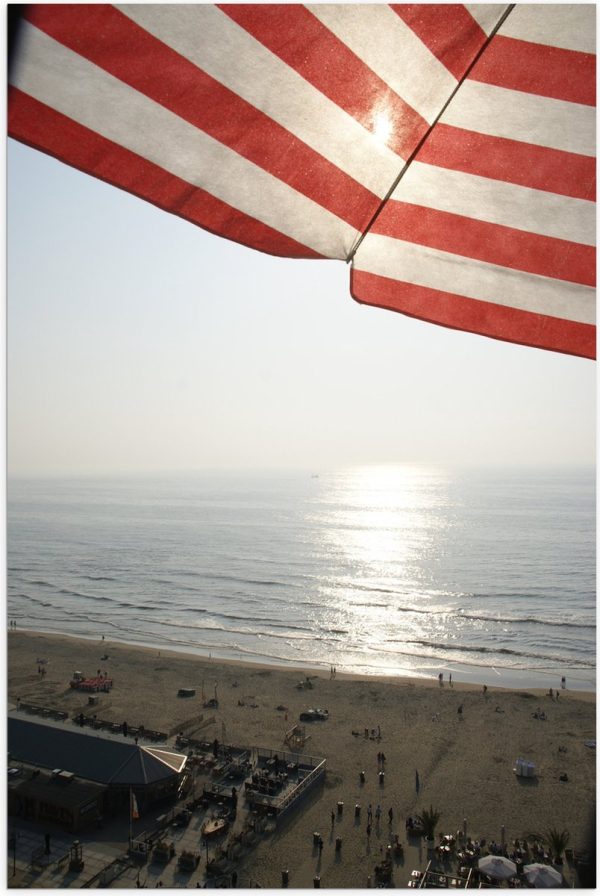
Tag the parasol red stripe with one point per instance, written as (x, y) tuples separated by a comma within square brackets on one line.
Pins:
[(306, 45), (473, 316), (43, 128), (537, 167), (110, 40), (567, 75), (492, 243), (449, 31)]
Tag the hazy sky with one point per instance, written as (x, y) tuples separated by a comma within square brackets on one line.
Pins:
[(137, 341)]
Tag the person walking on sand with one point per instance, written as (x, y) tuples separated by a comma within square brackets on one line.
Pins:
[(377, 813), (332, 818), (390, 816), (369, 831), (370, 813)]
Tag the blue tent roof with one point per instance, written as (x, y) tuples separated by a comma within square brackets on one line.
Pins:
[(91, 756)]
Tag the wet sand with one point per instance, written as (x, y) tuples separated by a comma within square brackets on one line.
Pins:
[(464, 760)]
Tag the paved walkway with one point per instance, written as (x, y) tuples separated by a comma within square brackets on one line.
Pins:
[(52, 870), (102, 847)]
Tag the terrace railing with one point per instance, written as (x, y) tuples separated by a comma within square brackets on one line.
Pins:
[(312, 778)]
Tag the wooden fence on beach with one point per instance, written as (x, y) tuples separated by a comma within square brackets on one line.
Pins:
[(181, 727)]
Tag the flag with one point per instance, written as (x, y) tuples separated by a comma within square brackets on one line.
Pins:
[(134, 806), (445, 151)]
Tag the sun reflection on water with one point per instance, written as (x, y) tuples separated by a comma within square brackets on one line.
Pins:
[(383, 532), (386, 518)]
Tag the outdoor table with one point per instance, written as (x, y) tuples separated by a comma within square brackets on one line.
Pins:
[(213, 827)]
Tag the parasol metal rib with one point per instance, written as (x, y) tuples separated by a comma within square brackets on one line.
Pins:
[(408, 162)]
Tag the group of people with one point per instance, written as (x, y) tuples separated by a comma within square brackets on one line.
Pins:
[(378, 813), (441, 679)]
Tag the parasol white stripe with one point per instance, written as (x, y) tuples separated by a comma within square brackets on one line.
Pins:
[(516, 115), (570, 26), (443, 271), (510, 205)]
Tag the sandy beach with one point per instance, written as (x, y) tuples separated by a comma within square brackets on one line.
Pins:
[(464, 760)]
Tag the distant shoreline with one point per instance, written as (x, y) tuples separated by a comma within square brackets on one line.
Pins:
[(463, 675)]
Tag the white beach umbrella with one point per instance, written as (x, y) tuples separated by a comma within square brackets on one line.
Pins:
[(497, 867), (542, 875)]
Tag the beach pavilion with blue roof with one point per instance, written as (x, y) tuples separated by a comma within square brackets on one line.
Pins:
[(52, 762)]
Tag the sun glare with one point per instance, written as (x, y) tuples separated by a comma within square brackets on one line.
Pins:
[(382, 127)]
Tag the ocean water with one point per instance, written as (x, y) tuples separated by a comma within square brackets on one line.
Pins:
[(488, 574)]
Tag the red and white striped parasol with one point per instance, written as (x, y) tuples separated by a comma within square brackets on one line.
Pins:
[(446, 151)]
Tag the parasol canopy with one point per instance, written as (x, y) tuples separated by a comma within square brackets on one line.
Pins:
[(497, 867), (542, 875), (445, 151)]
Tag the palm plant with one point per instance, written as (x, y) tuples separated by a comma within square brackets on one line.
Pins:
[(428, 820), (557, 843)]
